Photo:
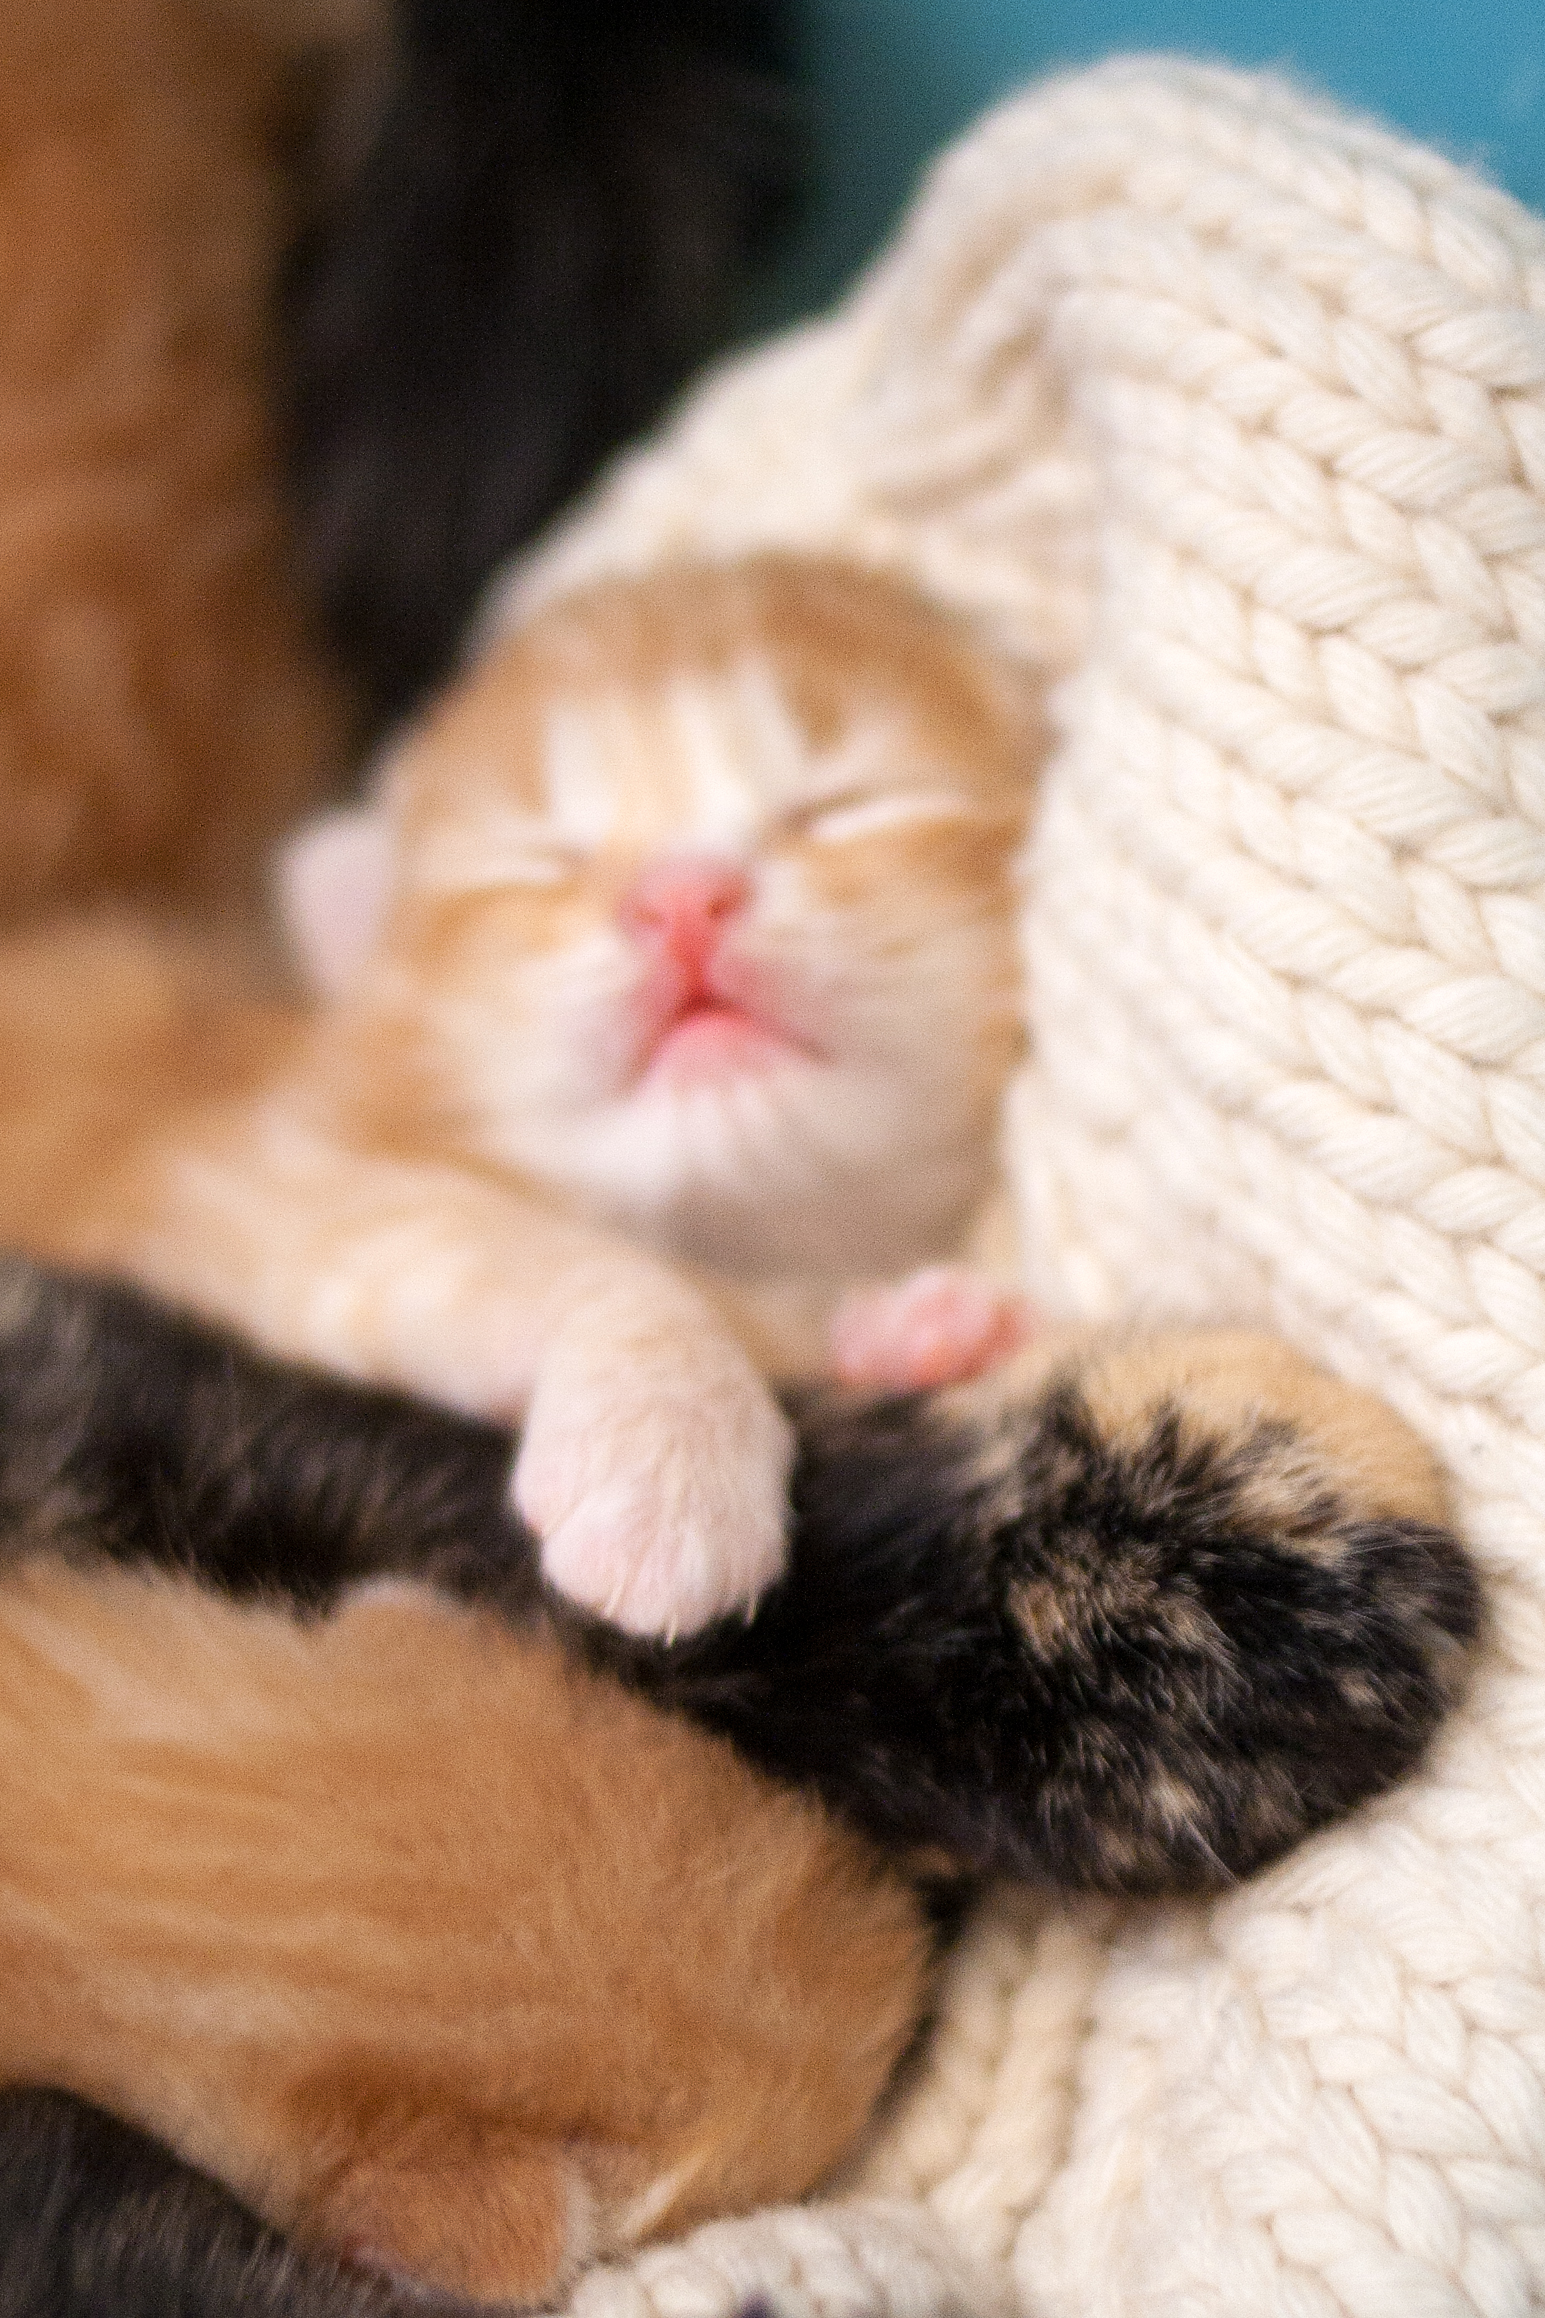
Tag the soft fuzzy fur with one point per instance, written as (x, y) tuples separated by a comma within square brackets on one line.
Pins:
[(682, 935), (1124, 1616), (1127, 1619), (97, 2220), (518, 227), (164, 707), (436, 1948), (538, 240)]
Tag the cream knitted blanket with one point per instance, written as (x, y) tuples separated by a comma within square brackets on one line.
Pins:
[(1230, 411)]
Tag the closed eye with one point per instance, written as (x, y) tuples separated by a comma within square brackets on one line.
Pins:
[(468, 861), (837, 820)]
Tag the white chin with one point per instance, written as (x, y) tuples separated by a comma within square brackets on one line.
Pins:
[(716, 1048), (785, 1165)]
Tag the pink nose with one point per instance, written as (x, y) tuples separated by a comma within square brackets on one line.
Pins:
[(684, 905)]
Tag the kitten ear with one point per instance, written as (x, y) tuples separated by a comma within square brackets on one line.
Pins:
[(332, 879)]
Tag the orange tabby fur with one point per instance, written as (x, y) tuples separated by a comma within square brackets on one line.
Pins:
[(465, 1174), (429, 1943), (164, 708)]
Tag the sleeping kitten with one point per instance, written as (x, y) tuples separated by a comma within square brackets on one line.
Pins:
[(434, 1948), (439, 1948), (427, 1943), (672, 986)]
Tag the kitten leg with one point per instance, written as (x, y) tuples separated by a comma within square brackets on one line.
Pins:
[(1137, 1614), (655, 1459), (654, 1466), (269, 1479), (459, 2206), (938, 1326)]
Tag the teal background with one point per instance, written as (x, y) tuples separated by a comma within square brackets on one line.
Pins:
[(893, 79)]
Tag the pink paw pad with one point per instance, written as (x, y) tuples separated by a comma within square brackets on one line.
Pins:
[(937, 1326)]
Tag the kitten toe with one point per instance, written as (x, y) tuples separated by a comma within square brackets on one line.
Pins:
[(660, 1502), (941, 1325)]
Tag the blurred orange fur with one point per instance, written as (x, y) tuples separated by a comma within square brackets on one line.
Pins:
[(428, 1943), (460, 1172), (164, 705)]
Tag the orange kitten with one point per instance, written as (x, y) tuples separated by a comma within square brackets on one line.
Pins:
[(671, 986), (164, 708), (433, 1946)]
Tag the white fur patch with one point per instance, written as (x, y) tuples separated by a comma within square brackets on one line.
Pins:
[(654, 1466)]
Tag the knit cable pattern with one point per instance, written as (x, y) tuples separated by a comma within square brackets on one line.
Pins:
[(1227, 412)]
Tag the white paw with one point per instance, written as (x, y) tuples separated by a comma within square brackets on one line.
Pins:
[(937, 1326), (654, 1469)]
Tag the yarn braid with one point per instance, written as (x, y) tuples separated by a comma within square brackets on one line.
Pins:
[(1227, 412)]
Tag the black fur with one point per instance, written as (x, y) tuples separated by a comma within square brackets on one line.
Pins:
[(1000, 1635), (1211, 1689), (537, 248), (99, 2221), (1213, 1685), (131, 1432)]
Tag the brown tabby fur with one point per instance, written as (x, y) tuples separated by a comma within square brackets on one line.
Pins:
[(164, 707)]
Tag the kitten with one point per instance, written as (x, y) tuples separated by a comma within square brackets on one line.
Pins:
[(672, 985), (99, 2220), (534, 242), (516, 228), (164, 705), (371, 1919), (435, 1946)]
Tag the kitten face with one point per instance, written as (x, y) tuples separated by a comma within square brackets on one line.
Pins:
[(701, 912)]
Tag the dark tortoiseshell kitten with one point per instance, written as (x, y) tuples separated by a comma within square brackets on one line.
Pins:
[(1132, 1618)]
